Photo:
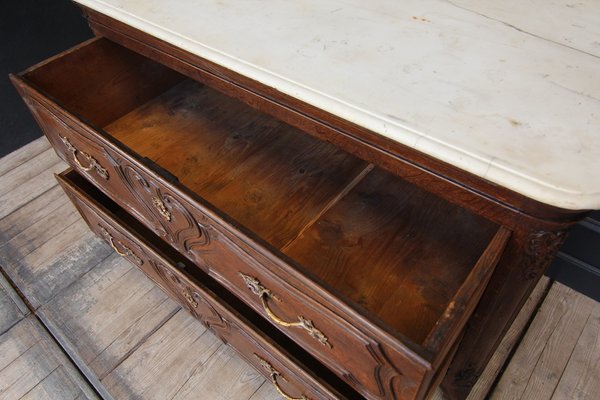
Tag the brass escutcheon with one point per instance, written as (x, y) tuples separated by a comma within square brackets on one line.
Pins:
[(161, 208)]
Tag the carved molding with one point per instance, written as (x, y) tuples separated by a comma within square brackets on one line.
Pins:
[(539, 250), (169, 217), (193, 301)]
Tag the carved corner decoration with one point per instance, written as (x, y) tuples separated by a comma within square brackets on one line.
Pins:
[(540, 248), (170, 218)]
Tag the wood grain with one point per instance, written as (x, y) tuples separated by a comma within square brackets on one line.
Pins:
[(108, 313), (502, 355), (164, 363), (263, 173), (10, 311), (68, 255), (28, 181), (26, 215), (394, 250), (579, 380), (538, 363), (223, 376), (23, 155), (32, 366), (100, 80)]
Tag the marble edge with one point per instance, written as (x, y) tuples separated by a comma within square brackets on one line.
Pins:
[(491, 169)]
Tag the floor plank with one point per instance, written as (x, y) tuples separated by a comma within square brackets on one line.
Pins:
[(24, 237), (538, 363), (108, 313), (53, 387), (22, 155), (57, 263), (10, 312), (31, 362), (31, 212), (28, 180), (165, 362), (224, 376), (581, 377), (514, 333)]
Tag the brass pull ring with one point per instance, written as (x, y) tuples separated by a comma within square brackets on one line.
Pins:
[(265, 294), (161, 208), (274, 374), (127, 251), (93, 164)]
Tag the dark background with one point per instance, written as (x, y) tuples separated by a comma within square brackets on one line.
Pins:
[(33, 30)]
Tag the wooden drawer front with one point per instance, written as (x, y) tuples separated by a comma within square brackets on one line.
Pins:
[(281, 368), (98, 160), (121, 177), (366, 362)]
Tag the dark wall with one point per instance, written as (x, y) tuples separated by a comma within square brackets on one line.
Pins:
[(30, 31), (577, 264)]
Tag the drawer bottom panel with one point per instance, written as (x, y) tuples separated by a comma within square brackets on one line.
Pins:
[(291, 375)]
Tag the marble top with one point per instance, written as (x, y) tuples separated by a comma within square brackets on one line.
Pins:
[(508, 90)]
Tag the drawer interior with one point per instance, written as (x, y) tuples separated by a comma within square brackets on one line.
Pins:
[(395, 252)]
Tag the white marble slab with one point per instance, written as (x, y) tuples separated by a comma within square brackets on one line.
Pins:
[(508, 90)]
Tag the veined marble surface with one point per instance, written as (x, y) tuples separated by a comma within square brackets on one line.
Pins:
[(508, 90)]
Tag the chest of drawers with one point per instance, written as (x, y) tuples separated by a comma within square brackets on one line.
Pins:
[(341, 265)]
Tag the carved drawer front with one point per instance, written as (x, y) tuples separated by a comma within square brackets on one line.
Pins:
[(120, 175), (282, 369), (358, 356)]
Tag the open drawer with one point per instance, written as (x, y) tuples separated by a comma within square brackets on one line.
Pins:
[(202, 297), (370, 274)]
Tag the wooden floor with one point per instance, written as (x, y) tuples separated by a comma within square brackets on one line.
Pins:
[(87, 324)]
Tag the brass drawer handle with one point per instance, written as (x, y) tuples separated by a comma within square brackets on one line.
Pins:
[(265, 294), (93, 164), (161, 208), (274, 374), (127, 251)]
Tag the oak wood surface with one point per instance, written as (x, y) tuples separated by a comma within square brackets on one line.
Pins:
[(100, 81), (263, 173), (396, 250), (543, 356)]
